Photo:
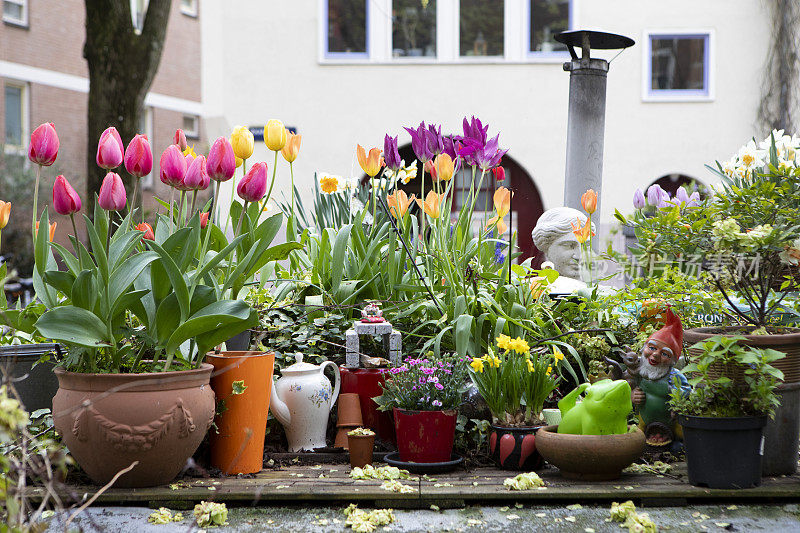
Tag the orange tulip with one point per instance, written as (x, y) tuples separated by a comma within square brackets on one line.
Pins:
[(432, 204), (538, 285), (502, 227), (589, 201), (444, 167), (502, 201), (370, 164), (398, 203), (582, 233), (292, 146), (52, 229), (5, 212)]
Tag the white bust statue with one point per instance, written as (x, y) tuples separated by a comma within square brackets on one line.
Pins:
[(554, 237)]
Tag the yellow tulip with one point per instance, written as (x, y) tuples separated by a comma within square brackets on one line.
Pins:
[(370, 164), (243, 142), (5, 212), (502, 201), (582, 233), (274, 135), (398, 203), (432, 204), (444, 167), (52, 230), (239, 161), (292, 146)]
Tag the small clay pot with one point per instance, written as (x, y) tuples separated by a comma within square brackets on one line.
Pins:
[(341, 435), (349, 413), (360, 449)]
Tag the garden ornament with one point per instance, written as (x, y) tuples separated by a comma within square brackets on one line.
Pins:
[(301, 400), (372, 314), (603, 411), (553, 235)]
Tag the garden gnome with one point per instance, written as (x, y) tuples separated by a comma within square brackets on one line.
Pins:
[(655, 377), (553, 235)]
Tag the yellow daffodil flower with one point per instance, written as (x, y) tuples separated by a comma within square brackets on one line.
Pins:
[(329, 184), (477, 365), (558, 354), (494, 361), (502, 342), (519, 345), (549, 370), (531, 368)]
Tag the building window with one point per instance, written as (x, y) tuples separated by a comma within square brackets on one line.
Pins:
[(347, 28), (15, 12), (481, 30), (413, 28), (189, 7), (546, 19), (191, 126), (678, 66), (16, 121), (146, 127)]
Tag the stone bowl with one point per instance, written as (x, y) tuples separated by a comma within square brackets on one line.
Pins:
[(589, 457)]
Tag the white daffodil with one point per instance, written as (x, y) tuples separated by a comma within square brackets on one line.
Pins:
[(750, 156)]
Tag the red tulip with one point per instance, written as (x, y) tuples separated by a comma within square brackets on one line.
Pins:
[(139, 156), (203, 220), (148, 231), (196, 178), (112, 193), (180, 139), (65, 200), (173, 166), (221, 162), (110, 149), (254, 185), (499, 173), (44, 145)]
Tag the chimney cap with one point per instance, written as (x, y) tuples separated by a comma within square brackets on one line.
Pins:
[(588, 39)]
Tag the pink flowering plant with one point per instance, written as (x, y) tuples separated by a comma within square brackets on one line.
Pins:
[(423, 384)]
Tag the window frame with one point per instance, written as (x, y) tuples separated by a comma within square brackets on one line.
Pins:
[(500, 58), (191, 134), (190, 11), (23, 22), (412, 59), (532, 54), (359, 57), (678, 95), (25, 118)]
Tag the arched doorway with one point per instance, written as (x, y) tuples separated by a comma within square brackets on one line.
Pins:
[(672, 182)]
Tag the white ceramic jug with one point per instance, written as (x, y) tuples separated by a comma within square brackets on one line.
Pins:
[(301, 400)]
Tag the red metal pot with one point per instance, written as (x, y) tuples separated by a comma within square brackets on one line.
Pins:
[(425, 436), (366, 382)]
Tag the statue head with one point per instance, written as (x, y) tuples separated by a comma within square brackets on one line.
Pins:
[(554, 237)]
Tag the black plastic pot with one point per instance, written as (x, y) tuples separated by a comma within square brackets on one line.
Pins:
[(37, 385), (239, 342), (782, 434), (724, 453)]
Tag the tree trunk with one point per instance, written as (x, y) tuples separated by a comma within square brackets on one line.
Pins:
[(122, 65)]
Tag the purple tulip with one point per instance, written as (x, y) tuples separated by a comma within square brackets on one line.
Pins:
[(419, 142), (221, 162), (391, 156), (681, 195), (112, 193), (638, 199), (173, 166), (65, 200), (110, 149), (694, 200), (654, 194), (254, 185), (433, 140), (485, 156), (43, 149), (139, 156), (196, 178)]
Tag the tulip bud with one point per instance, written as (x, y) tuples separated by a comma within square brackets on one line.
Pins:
[(694, 200), (430, 168), (203, 220), (499, 173), (110, 149), (43, 149), (254, 185), (173, 166), (65, 200), (391, 153), (148, 231), (275, 135), (292, 146), (638, 199), (681, 195), (5, 212), (221, 162), (654, 195), (243, 142), (445, 167), (196, 178), (112, 193), (139, 157), (180, 139), (51, 230), (589, 201)]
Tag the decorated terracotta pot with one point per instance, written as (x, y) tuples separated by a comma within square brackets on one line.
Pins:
[(301, 400), (514, 448)]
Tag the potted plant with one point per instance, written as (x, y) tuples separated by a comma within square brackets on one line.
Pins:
[(723, 419), (424, 394), (515, 382)]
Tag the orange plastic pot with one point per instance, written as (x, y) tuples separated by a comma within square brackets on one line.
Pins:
[(237, 446)]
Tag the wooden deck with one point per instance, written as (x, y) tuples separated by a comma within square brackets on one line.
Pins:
[(330, 483)]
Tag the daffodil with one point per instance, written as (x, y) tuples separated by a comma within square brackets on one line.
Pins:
[(494, 361), (408, 173), (477, 365), (503, 342), (558, 354), (531, 368), (519, 345), (329, 184), (190, 151), (549, 370)]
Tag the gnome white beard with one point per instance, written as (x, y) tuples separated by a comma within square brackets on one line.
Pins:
[(653, 373)]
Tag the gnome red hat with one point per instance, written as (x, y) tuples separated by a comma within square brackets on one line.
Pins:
[(671, 334)]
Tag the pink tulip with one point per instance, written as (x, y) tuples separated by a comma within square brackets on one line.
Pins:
[(44, 145), (189, 159), (204, 219), (180, 139), (196, 178), (254, 185), (221, 163), (173, 166), (139, 157), (112, 193), (65, 200), (110, 149)]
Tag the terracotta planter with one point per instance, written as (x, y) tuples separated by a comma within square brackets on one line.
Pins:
[(590, 457), (237, 446), (366, 382), (788, 343), (425, 436), (360, 449), (515, 448), (349, 410), (110, 420)]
